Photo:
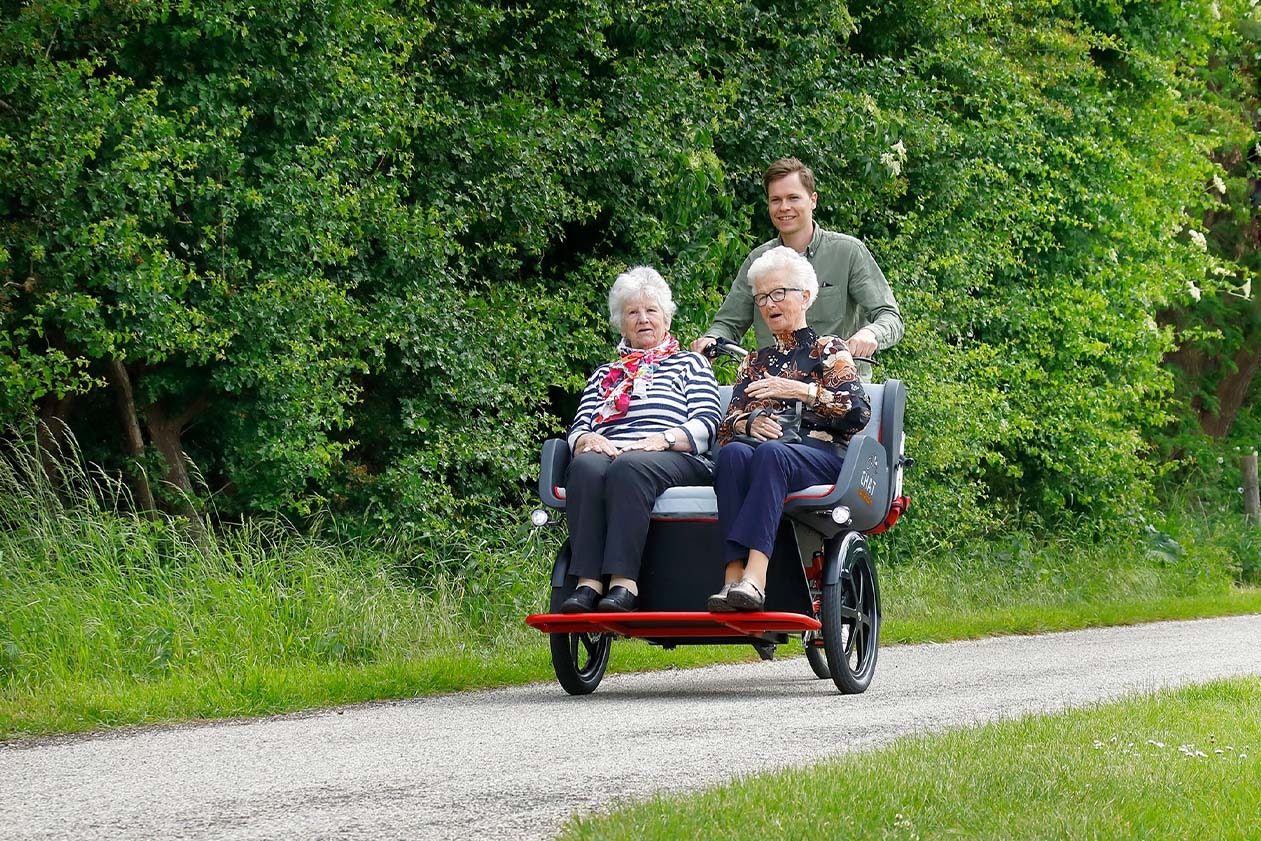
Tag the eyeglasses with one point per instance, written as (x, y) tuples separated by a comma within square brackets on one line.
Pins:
[(775, 295)]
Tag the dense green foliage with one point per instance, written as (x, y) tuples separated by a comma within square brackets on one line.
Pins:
[(354, 254)]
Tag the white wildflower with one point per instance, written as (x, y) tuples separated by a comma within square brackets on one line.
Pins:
[(900, 149), (1193, 289), (1197, 237), (1217, 12), (1245, 291), (891, 163), (1221, 460), (1218, 184)]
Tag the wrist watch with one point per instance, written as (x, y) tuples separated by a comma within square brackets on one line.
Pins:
[(670, 438)]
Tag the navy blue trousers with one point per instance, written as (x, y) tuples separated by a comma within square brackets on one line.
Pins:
[(608, 504), (751, 485)]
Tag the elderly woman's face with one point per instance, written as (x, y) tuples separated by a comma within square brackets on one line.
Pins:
[(644, 323), (789, 313)]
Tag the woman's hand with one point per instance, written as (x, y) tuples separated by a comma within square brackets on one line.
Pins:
[(594, 442), (764, 428), (654, 443), (779, 388)]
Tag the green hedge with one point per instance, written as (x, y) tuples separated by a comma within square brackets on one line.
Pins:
[(357, 252)]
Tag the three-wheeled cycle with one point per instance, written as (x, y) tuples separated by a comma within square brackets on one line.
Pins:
[(821, 583)]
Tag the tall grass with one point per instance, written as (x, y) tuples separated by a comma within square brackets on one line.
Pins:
[(109, 618), (95, 600)]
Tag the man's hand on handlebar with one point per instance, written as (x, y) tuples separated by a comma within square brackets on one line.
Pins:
[(702, 344), (863, 343), (712, 347)]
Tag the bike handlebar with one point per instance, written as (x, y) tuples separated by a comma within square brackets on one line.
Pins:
[(726, 347)]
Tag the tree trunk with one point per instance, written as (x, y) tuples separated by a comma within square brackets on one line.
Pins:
[(165, 431), (126, 402), (52, 433), (1232, 392)]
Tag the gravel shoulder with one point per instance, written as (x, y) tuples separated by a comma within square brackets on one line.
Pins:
[(515, 763)]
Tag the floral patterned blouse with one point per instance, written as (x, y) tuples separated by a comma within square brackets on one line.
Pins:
[(842, 408)]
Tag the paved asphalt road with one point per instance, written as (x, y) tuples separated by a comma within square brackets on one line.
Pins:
[(514, 763)]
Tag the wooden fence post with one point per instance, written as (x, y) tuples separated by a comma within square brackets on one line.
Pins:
[(1251, 504)]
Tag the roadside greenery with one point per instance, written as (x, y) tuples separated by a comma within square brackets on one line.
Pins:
[(291, 292), (108, 618), (1162, 767)]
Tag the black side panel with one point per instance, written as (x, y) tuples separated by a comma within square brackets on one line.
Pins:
[(683, 566), (561, 579)]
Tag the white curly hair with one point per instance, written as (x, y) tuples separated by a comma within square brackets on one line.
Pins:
[(783, 258), (639, 282)]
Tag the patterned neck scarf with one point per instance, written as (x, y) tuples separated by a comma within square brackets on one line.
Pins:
[(630, 375)]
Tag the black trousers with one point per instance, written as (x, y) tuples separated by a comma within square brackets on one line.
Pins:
[(608, 503)]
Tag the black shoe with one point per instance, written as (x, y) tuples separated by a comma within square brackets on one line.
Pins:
[(619, 600), (581, 600)]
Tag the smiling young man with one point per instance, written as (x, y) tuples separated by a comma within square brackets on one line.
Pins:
[(855, 301)]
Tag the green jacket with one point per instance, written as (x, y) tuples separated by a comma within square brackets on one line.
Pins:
[(853, 293)]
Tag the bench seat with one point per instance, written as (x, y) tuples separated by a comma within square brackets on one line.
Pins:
[(864, 485)]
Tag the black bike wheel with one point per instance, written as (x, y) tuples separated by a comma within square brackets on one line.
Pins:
[(579, 660), (816, 656), (851, 620)]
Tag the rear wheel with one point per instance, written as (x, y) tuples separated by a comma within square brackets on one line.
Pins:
[(816, 656), (851, 618)]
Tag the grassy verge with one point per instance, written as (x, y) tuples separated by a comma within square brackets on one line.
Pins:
[(107, 619), (1168, 766)]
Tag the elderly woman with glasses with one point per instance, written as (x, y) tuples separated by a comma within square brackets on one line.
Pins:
[(645, 423), (756, 473)]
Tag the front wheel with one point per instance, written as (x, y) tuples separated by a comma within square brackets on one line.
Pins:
[(579, 660), (851, 618)]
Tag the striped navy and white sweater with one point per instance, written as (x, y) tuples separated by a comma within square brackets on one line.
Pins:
[(682, 394)]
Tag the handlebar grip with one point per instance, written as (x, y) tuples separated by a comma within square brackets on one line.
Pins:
[(725, 346)]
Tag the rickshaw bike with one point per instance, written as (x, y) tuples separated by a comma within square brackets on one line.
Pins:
[(821, 582)]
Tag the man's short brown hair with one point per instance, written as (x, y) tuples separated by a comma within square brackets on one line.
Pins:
[(785, 167)]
